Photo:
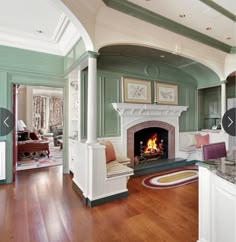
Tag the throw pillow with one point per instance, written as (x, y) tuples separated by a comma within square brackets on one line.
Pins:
[(201, 140), (109, 151)]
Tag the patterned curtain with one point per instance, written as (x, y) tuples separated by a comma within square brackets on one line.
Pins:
[(56, 111), (39, 112)]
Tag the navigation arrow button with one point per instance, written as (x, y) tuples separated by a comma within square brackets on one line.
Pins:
[(231, 122), (228, 121), (6, 121)]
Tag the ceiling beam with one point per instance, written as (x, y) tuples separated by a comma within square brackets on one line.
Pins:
[(146, 15)]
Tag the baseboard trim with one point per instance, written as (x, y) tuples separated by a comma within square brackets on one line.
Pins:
[(103, 200), (3, 182), (93, 203), (79, 192)]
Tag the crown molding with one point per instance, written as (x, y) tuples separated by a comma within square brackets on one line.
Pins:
[(141, 13)]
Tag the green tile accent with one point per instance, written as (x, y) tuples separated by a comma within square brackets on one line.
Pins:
[(220, 9), (161, 21)]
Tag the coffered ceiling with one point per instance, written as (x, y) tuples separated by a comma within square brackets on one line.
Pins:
[(36, 25)]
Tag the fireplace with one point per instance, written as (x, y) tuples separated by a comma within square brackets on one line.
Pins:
[(163, 119), (165, 141), (150, 144)]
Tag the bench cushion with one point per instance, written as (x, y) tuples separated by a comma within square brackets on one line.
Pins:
[(114, 169)]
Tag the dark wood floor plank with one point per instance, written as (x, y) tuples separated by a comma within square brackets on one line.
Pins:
[(42, 206)]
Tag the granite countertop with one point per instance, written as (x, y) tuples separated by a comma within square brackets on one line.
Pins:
[(223, 168)]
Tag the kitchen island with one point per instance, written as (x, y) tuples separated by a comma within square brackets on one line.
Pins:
[(217, 201)]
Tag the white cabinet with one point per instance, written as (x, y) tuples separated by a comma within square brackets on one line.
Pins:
[(2, 160), (73, 154), (217, 208)]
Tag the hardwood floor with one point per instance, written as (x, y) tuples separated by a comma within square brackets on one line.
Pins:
[(42, 207)]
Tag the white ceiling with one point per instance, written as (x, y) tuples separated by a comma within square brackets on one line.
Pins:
[(198, 16), (21, 22)]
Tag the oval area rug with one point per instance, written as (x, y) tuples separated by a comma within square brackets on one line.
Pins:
[(171, 179)]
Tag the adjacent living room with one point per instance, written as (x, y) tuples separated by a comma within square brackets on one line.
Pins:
[(39, 127)]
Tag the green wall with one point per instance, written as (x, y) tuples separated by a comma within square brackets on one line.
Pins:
[(110, 72), (209, 101), (18, 66), (73, 58)]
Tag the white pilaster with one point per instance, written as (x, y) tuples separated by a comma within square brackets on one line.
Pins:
[(92, 99), (223, 98)]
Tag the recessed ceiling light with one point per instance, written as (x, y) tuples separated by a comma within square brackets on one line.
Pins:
[(209, 28), (228, 38), (182, 15), (39, 31)]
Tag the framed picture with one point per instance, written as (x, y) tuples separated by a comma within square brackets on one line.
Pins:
[(135, 90), (166, 93)]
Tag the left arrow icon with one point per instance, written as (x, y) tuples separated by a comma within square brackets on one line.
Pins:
[(5, 122)]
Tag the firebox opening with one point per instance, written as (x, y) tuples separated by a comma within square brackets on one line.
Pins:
[(150, 144)]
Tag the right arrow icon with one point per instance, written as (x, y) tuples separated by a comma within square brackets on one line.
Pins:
[(228, 121), (231, 121)]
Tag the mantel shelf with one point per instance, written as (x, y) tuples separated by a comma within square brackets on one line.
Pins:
[(141, 110)]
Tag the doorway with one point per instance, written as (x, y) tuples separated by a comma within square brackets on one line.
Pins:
[(39, 122)]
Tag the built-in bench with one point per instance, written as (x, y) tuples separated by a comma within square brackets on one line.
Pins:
[(116, 164), (187, 143), (116, 169)]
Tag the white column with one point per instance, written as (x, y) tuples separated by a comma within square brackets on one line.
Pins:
[(223, 98), (92, 98)]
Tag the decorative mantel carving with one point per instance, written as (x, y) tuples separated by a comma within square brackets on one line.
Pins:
[(142, 110)]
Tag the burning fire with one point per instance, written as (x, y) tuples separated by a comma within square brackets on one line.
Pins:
[(152, 146)]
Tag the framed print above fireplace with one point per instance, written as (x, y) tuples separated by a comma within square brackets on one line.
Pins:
[(166, 93), (136, 90)]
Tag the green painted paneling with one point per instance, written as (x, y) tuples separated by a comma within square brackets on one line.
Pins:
[(231, 87), (18, 66), (209, 101), (210, 109), (14, 59), (110, 71), (108, 93), (74, 54), (83, 103), (117, 56)]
